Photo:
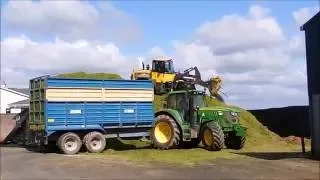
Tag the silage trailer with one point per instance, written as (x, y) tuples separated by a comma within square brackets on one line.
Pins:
[(71, 112)]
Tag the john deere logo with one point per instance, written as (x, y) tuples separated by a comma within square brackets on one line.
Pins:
[(203, 115)]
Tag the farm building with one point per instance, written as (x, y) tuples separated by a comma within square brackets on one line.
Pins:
[(13, 99), (312, 38)]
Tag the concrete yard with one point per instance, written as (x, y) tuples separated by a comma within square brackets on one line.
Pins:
[(19, 163)]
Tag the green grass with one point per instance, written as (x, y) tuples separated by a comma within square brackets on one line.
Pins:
[(91, 75), (259, 138), (142, 152)]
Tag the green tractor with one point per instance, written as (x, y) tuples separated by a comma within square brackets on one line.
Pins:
[(186, 120)]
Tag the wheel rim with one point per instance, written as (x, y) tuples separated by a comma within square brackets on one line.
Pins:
[(163, 132), (96, 143), (207, 137), (70, 144)]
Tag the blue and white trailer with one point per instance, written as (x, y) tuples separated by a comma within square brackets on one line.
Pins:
[(71, 112)]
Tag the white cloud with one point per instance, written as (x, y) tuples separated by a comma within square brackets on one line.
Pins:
[(287, 78), (302, 15), (23, 57), (233, 33), (264, 96), (194, 54), (296, 45), (69, 20), (154, 52)]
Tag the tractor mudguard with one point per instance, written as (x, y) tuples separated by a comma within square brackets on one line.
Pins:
[(173, 113)]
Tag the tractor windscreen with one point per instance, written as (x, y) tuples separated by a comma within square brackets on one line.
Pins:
[(198, 100)]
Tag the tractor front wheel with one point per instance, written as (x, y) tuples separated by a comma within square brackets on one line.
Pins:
[(165, 134), (235, 142), (212, 136)]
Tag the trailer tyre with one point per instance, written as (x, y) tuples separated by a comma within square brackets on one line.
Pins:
[(69, 143), (95, 142)]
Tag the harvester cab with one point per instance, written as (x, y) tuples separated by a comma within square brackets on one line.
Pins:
[(162, 65), (187, 120), (161, 73)]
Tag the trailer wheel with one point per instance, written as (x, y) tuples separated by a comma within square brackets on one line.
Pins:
[(95, 142), (69, 143)]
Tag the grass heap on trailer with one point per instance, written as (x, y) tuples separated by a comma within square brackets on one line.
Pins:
[(70, 112)]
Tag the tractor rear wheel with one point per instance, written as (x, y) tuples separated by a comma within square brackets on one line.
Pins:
[(235, 142), (165, 134), (212, 136)]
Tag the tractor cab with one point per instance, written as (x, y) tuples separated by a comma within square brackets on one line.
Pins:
[(187, 103), (186, 99)]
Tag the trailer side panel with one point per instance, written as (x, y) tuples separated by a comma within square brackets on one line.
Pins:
[(62, 115)]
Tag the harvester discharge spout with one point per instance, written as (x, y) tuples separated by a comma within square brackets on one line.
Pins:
[(187, 81)]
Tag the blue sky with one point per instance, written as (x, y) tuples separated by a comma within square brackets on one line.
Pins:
[(259, 51)]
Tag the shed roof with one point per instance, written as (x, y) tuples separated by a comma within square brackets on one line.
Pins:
[(23, 103), (21, 90), (312, 21)]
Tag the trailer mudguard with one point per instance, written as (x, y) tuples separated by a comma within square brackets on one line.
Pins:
[(54, 129)]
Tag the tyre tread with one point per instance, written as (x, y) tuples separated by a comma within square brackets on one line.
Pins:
[(87, 143), (218, 136), (61, 146), (235, 142), (176, 135)]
